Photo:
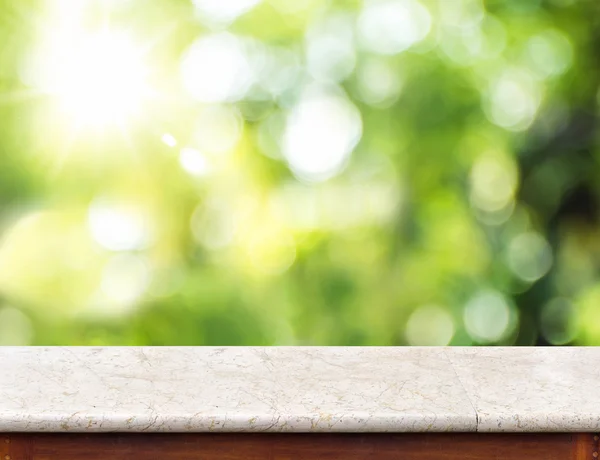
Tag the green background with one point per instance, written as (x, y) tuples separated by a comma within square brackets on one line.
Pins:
[(466, 212)]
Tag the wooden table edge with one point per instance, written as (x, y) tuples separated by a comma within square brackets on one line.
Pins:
[(298, 446)]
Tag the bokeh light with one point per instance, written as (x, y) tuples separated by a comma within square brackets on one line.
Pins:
[(462, 14), (430, 325), (493, 182), (125, 278), (550, 53), (379, 82), (383, 172), (281, 70), (169, 140), (321, 132), (529, 256), (489, 317), (218, 68), (194, 162), (513, 100), (392, 26), (330, 52), (118, 227), (217, 13), (471, 42)]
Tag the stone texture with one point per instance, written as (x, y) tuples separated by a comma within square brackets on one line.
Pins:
[(231, 389), (531, 389)]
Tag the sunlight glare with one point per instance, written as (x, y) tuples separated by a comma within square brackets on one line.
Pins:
[(100, 80)]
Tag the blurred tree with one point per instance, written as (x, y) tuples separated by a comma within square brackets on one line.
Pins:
[(323, 172)]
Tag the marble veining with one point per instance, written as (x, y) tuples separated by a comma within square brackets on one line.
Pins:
[(299, 389), (521, 389), (296, 389)]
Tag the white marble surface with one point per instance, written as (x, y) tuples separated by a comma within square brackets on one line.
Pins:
[(231, 389), (531, 389), (299, 389)]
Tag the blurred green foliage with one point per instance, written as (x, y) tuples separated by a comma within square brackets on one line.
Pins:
[(319, 172)]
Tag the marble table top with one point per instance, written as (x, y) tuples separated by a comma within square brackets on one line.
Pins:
[(299, 389)]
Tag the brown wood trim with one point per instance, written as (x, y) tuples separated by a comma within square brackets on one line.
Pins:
[(585, 446), (227, 446)]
